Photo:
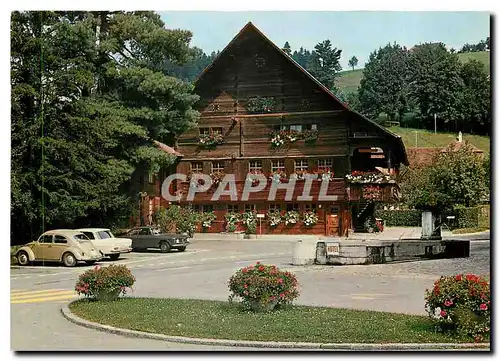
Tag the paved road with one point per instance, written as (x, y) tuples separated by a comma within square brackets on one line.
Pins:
[(38, 293)]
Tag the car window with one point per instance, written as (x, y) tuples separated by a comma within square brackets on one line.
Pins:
[(155, 231), (60, 239), (144, 231), (89, 235), (81, 238), (133, 232), (45, 239), (104, 234)]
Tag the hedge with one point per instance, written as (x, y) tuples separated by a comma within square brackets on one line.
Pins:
[(464, 217), (400, 218)]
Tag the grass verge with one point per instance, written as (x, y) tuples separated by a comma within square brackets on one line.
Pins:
[(470, 230), (223, 320)]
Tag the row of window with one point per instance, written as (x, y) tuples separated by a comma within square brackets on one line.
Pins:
[(297, 127), (277, 165), (236, 208)]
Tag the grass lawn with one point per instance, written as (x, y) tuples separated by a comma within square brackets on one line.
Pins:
[(223, 320), (427, 138), (470, 230)]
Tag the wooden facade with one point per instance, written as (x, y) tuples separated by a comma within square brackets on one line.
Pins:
[(252, 66)]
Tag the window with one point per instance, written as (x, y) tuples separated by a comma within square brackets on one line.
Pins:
[(312, 127), (89, 235), (301, 165), (325, 163), (232, 208), (274, 207), (292, 207), (255, 166), (278, 165), (104, 234), (144, 232), (204, 131), (46, 239), (60, 239), (310, 207), (216, 130), (133, 232), (334, 210), (296, 127), (196, 208), (217, 167), (197, 167), (81, 238), (250, 208), (207, 208), (151, 177)]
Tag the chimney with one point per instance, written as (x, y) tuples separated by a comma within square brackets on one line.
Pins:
[(460, 137)]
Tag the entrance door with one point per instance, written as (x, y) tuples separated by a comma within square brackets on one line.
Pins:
[(332, 221)]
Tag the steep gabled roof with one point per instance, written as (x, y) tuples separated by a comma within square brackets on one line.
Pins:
[(167, 148), (250, 26)]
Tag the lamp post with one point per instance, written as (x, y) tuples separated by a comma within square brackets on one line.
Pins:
[(141, 197)]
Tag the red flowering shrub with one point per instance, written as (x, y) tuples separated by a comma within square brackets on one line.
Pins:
[(113, 278), (461, 303), (263, 284)]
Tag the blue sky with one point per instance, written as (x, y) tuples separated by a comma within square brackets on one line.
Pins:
[(356, 33)]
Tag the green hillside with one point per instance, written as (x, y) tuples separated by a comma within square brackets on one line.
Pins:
[(427, 138), (349, 80)]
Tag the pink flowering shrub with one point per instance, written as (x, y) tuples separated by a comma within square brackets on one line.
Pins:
[(264, 284), (110, 279), (461, 303)]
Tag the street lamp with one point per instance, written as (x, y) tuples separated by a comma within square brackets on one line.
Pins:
[(141, 197)]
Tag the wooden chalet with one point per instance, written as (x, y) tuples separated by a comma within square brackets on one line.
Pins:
[(261, 112)]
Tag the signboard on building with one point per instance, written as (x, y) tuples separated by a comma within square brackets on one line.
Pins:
[(332, 249)]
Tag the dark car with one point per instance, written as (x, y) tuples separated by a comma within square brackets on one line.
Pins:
[(151, 237)]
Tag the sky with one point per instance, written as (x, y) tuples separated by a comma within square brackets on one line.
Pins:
[(356, 33)]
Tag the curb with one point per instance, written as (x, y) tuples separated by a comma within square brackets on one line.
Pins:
[(274, 344)]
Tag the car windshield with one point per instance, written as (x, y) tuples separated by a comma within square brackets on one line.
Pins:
[(105, 234), (81, 238)]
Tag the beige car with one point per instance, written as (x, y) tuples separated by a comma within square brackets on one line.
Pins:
[(60, 245)]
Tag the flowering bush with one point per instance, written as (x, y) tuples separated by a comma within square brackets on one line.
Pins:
[(299, 174), (101, 281), (216, 177), (274, 218), (310, 135), (250, 222), (461, 303), (260, 105), (210, 140), (207, 218), (278, 138), (368, 177), (251, 176), (310, 219), (231, 220), (291, 217), (261, 287), (278, 177), (325, 173)]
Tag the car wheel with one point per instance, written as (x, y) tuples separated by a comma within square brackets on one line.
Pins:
[(114, 257), (23, 258), (69, 259), (182, 249), (164, 247), (90, 263)]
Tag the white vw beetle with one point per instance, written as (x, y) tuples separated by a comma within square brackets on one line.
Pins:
[(107, 243)]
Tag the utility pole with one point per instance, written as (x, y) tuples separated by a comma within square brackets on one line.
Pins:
[(435, 126)]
